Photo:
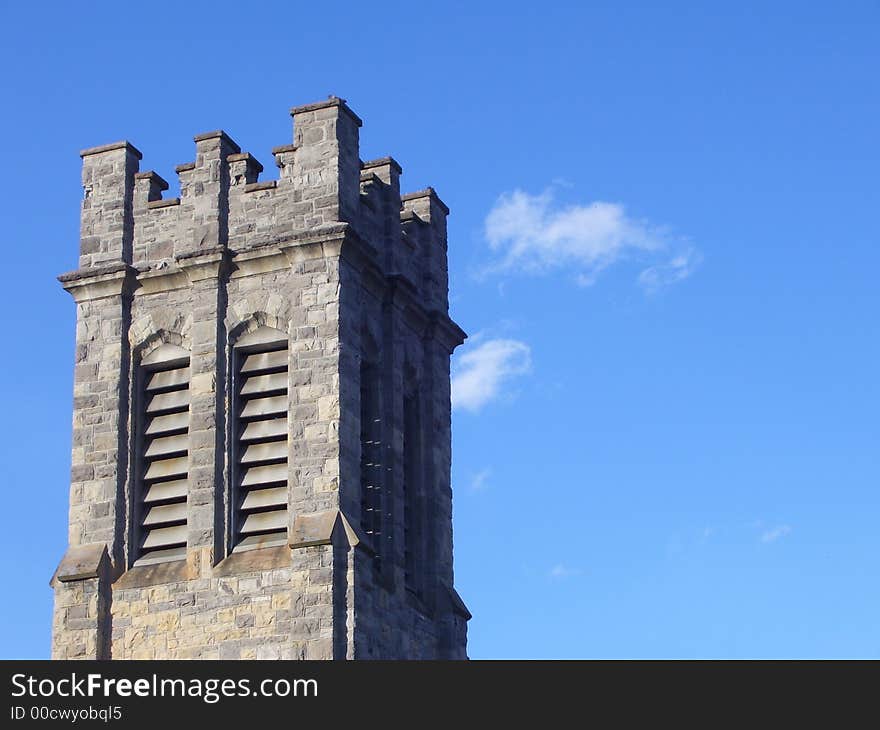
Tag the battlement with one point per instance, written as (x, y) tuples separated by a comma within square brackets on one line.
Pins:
[(223, 202)]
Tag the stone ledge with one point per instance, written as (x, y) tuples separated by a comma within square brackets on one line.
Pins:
[(81, 562), (281, 149), (454, 335), (163, 203), (248, 561), (97, 271), (185, 167), (267, 185), (98, 282), (172, 571), (214, 253), (320, 528), (203, 264)]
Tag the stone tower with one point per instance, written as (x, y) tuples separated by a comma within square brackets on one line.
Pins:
[(261, 415)]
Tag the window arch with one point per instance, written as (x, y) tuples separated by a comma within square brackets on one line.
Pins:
[(162, 456), (260, 439)]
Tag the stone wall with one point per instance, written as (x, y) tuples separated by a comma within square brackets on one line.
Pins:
[(332, 254)]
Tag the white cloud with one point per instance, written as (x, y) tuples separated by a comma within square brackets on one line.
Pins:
[(480, 480), (775, 533), (679, 267), (560, 571), (480, 374), (534, 234)]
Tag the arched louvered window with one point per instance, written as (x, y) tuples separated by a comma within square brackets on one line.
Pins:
[(162, 456), (372, 473), (413, 497), (260, 438)]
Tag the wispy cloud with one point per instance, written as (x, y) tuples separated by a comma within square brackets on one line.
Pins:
[(679, 267), (480, 480), (534, 234), (481, 373), (560, 571), (775, 533)]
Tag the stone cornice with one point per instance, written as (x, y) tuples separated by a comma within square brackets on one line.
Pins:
[(446, 331), (153, 281), (402, 291), (98, 283), (324, 241), (201, 265)]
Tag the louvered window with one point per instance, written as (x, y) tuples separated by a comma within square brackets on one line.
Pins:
[(163, 456), (260, 449), (371, 457), (413, 500)]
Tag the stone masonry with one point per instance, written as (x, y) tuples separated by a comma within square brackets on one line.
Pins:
[(333, 263)]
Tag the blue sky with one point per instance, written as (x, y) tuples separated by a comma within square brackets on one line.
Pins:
[(663, 241)]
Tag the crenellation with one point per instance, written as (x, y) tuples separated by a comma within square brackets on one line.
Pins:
[(148, 188), (285, 158), (428, 206), (106, 216), (244, 169)]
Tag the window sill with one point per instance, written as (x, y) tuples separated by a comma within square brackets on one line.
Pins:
[(171, 571), (246, 561)]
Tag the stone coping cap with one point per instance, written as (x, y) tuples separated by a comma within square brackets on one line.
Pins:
[(283, 148), (330, 102), (155, 177), (185, 167), (245, 157), (217, 134), (317, 528), (382, 162), (122, 144), (427, 192), (81, 562)]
